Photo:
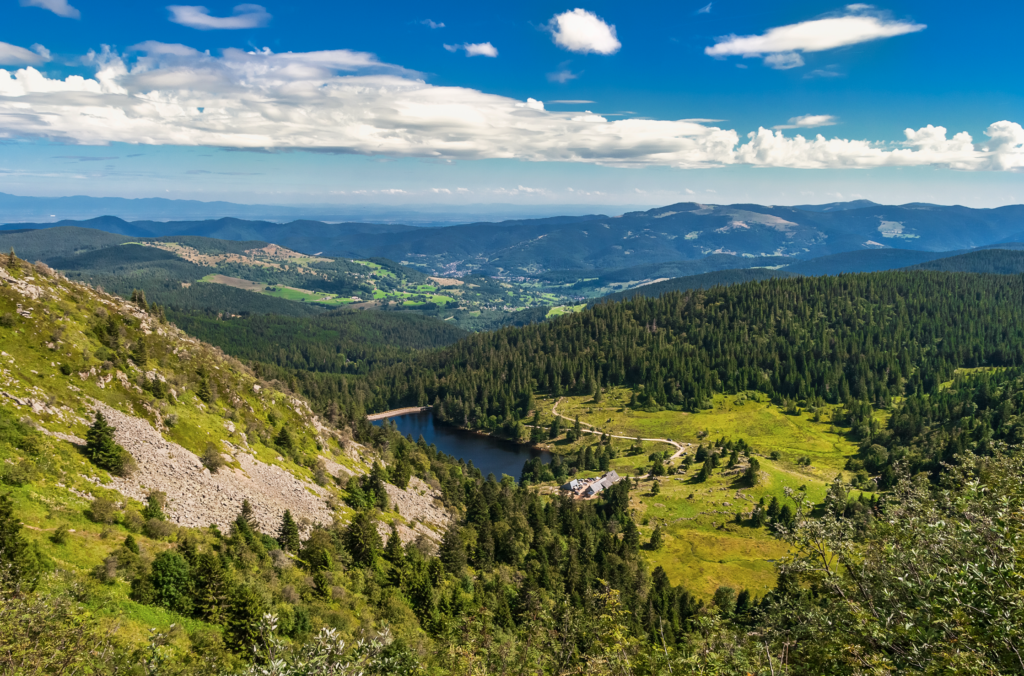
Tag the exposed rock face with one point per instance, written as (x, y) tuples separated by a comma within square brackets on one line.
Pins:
[(420, 503), (197, 498)]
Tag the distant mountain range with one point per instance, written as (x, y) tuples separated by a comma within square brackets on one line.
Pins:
[(53, 209), (751, 235)]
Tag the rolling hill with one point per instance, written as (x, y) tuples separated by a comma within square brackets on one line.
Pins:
[(685, 231)]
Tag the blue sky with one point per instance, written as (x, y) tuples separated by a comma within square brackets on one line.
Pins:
[(304, 102)]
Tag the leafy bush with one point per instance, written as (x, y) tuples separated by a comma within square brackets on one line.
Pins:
[(102, 510)]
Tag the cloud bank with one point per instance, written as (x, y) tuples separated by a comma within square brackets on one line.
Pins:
[(58, 7), (12, 55), (245, 17), (781, 47), (583, 32), (343, 101)]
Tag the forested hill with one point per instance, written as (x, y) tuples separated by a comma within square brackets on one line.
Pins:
[(985, 261), (692, 282), (866, 337)]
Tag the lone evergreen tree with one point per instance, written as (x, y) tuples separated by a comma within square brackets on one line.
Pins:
[(247, 514), (656, 542), (154, 508), (101, 449), (283, 440), (288, 536)]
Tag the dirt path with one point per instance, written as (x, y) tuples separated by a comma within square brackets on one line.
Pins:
[(680, 448), (397, 411)]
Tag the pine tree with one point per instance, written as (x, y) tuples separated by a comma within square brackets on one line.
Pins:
[(753, 473), (212, 588), (283, 440), (361, 539), (656, 488), (453, 550), (21, 560), (656, 542), (154, 508), (244, 615), (393, 551), (206, 391), (140, 353), (631, 535), (705, 472), (288, 535), (101, 449), (247, 514)]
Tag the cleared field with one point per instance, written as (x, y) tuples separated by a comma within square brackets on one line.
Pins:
[(704, 547)]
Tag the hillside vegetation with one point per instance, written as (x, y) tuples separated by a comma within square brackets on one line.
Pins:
[(436, 569)]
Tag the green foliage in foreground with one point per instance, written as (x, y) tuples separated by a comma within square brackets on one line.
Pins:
[(931, 588)]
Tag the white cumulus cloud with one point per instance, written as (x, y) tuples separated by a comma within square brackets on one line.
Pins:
[(344, 101), (432, 24), (244, 17), (808, 122), (12, 55), (478, 49), (781, 46), (583, 32), (58, 7)]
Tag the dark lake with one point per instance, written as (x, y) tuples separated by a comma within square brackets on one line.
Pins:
[(490, 455)]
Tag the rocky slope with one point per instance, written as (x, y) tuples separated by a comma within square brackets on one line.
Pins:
[(68, 351)]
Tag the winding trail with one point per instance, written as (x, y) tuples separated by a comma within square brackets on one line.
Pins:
[(680, 448)]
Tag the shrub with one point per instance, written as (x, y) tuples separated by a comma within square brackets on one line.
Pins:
[(132, 520), (102, 510), (211, 458), (20, 474), (60, 536), (158, 529), (7, 320)]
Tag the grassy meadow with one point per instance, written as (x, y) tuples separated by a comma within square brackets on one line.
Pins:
[(704, 547)]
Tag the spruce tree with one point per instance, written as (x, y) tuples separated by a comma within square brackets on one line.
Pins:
[(631, 535), (656, 542), (283, 440), (212, 591), (753, 474), (393, 551), (102, 450), (247, 514), (21, 559), (453, 550), (140, 353), (361, 539), (288, 535), (154, 508)]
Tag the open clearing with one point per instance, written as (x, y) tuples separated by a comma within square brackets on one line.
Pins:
[(704, 547)]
